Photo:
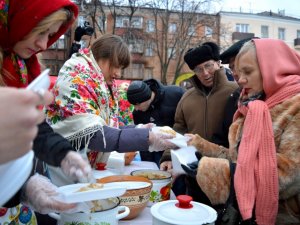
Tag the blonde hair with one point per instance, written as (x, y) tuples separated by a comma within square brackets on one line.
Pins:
[(248, 46), (62, 15), (113, 48)]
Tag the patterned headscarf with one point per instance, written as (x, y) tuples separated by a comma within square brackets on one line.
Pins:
[(17, 19)]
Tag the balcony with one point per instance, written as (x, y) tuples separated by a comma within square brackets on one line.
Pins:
[(236, 36)]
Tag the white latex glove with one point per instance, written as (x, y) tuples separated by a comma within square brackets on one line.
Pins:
[(147, 125), (39, 194), (159, 142), (77, 168)]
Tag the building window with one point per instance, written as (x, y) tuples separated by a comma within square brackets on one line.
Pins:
[(242, 28), (102, 22), (59, 44), (148, 73), (191, 30), (150, 26), (81, 20), (264, 31), (137, 22), (298, 33), (281, 33), (172, 28), (171, 53), (135, 45), (137, 70), (149, 49), (208, 31), (122, 21)]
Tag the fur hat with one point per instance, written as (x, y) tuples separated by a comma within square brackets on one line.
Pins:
[(233, 50), (138, 92), (201, 53)]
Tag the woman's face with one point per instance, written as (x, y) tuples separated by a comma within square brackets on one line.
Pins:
[(35, 42), (110, 73), (250, 78)]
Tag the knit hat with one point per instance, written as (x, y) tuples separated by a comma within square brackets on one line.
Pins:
[(201, 53), (233, 50), (138, 92)]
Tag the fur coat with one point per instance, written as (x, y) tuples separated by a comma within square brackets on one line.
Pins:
[(213, 174)]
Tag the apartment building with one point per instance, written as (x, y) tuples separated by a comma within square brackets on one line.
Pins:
[(156, 38), (238, 25)]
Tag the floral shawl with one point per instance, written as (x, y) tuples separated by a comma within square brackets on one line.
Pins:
[(83, 102)]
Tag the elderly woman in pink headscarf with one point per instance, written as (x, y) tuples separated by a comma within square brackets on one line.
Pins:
[(263, 138)]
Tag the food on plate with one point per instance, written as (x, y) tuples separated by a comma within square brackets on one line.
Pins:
[(152, 175), (91, 186), (168, 130)]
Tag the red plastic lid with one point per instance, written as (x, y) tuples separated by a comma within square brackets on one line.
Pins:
[(184, 201), (100, 166)]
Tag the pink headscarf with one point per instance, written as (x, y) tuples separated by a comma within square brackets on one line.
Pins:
[(256, 176)]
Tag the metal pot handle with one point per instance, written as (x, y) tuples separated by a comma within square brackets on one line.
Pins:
[(123, 214), (55, 216)]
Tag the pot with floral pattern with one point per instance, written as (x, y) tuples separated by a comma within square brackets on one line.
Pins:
[(108, 213), (161, 181)]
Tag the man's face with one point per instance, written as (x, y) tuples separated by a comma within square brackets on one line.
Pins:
[(206, 71), (143, 106)]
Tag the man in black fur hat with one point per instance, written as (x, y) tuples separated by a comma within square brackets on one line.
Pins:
[(201, 109)]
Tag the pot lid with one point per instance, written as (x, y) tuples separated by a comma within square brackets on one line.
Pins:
[(183, 211)]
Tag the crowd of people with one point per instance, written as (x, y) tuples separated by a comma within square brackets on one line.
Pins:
[(245, 131)]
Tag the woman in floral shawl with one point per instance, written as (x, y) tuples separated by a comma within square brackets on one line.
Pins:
[(85, 109)]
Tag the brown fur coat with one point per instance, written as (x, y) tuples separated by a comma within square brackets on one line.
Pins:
[(213, 171)]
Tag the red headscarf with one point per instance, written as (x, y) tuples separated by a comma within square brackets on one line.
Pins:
[(17, 19), (256, 176)]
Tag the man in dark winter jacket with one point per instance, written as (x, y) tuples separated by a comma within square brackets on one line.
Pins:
[(153, 103)]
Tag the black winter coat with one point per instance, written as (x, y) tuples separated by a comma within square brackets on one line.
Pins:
[(163, 107), (221, 136)]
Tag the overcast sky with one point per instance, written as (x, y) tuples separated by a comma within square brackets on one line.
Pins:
[(291, 7)]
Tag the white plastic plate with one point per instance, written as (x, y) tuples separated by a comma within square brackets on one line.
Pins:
[(70, 194), (41, 82), (13, 176)]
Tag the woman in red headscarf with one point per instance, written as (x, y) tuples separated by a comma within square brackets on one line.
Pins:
[(28, 27), (263, 138)]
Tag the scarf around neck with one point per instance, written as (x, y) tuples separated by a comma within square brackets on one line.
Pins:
[(256, 176)]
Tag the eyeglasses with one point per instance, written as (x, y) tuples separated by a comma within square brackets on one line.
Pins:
[(207, 67)]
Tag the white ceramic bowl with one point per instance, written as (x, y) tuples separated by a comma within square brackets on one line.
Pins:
[(161, 181)]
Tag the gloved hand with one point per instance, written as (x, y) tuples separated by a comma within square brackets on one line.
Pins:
[(191, 168), (76, 167), (38, 194), (159, 142)]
